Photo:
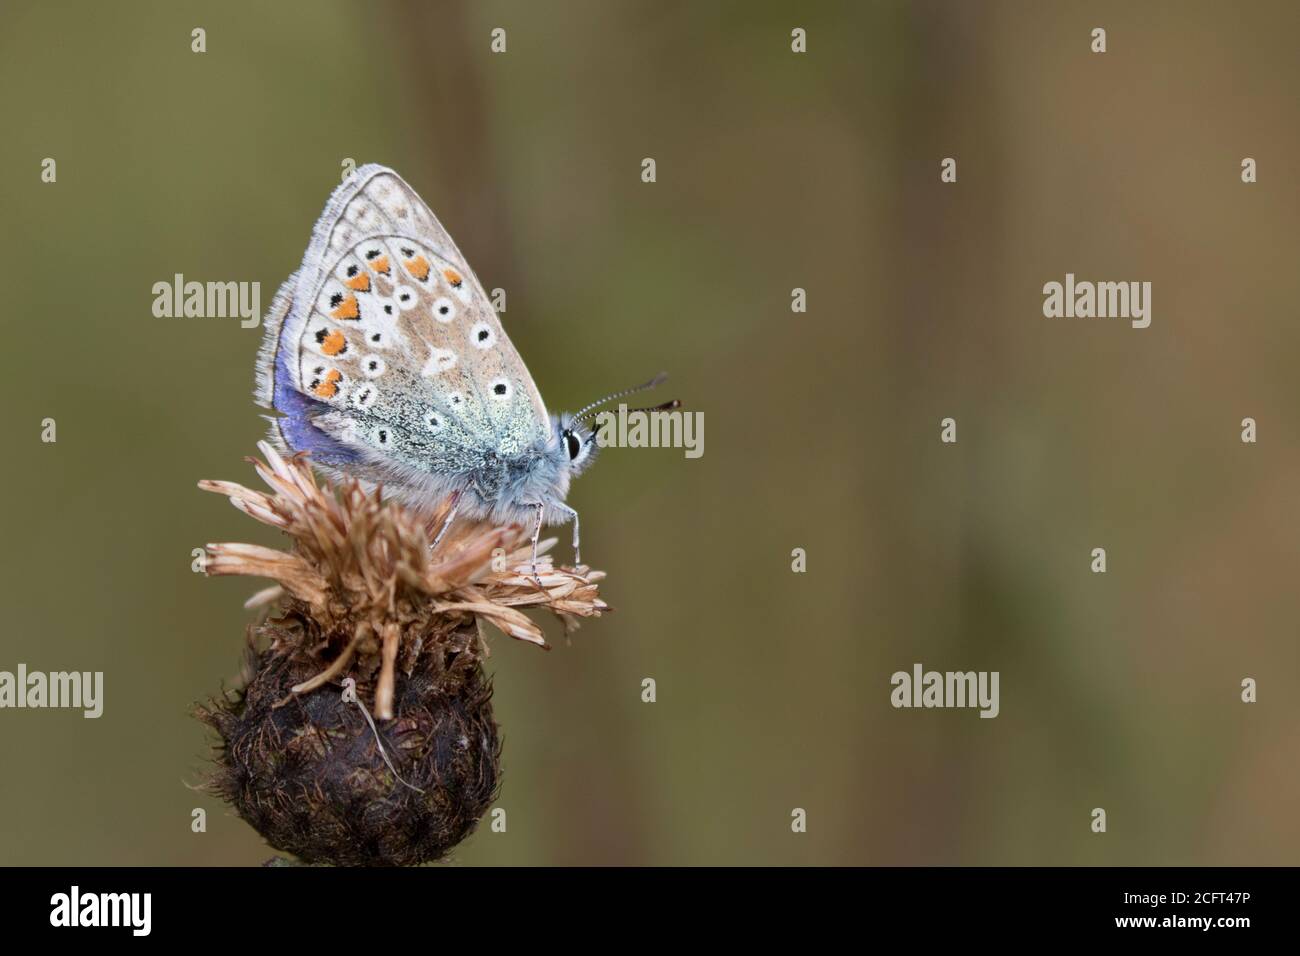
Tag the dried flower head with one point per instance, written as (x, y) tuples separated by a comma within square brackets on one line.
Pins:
[(370, 620)]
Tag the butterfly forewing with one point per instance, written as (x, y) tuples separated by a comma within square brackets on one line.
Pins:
[(396, 337)]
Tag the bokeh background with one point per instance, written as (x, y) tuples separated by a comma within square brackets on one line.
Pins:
[(775, 171)]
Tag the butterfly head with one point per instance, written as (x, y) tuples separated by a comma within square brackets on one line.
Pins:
[(576, 434), (576, 443)]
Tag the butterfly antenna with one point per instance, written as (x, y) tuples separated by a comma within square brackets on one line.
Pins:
[(665, 407), (644, 386)]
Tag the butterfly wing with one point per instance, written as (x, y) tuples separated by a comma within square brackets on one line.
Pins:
[(384, 355)]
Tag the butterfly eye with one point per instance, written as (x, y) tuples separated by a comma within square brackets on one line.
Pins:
[(573, 445)]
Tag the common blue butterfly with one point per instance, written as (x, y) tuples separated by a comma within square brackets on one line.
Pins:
[(386, 362)]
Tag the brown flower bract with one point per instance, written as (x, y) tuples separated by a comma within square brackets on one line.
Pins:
[(364, 604)]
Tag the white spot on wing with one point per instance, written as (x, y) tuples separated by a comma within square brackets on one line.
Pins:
[(481, 335), (444, 310), (364, 395), (407, 298), (380, 309), (439, 361), (362, 214)]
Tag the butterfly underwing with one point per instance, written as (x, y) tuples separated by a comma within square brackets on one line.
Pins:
[(386, 361)]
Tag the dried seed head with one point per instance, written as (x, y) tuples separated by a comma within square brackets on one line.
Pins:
[(316, 779), (360, 596)]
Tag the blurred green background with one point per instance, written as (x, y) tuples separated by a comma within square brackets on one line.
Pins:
[(775, 171)]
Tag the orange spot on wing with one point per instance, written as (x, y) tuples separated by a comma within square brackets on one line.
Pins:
[(380, 265), (452, 276), (348, 309), (329, 386), (418, 267), (361, 283), (334, 343)]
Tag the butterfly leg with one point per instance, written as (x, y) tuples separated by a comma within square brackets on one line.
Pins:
[(451, 515), (577, 537), (537, 533)]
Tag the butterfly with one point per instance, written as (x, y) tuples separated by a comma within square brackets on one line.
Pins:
[(385, 360)]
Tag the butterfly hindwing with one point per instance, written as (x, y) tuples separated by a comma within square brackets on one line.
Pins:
[(392, 339)]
